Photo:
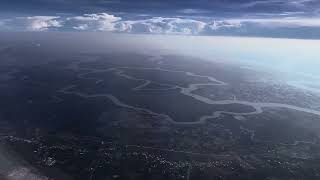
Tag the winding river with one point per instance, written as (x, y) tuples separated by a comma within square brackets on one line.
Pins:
[(187, 91)]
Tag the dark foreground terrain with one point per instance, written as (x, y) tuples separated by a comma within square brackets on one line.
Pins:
[(73, 114)]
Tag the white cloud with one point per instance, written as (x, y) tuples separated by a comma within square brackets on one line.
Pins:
[(96, 22), (157, 25), (161, 25), (276, 15), (281, 22), (81, 27), (294, 3), (216, 25), (300, 2), (258, 3), (42, 23), (193, 11)]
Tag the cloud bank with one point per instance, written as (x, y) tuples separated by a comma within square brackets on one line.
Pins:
[(167, 25), (95, 22), (160, 25), (41, 23)]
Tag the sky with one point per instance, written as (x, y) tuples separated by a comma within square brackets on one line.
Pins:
[(259, 18)]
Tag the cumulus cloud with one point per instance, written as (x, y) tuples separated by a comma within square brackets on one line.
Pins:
[(41, 23), (96, 22), (157, 25), (225, 24), (161, 25), (250, 25), (186, 26)]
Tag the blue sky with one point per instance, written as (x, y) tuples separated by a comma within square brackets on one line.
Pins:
[(262, 18)]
